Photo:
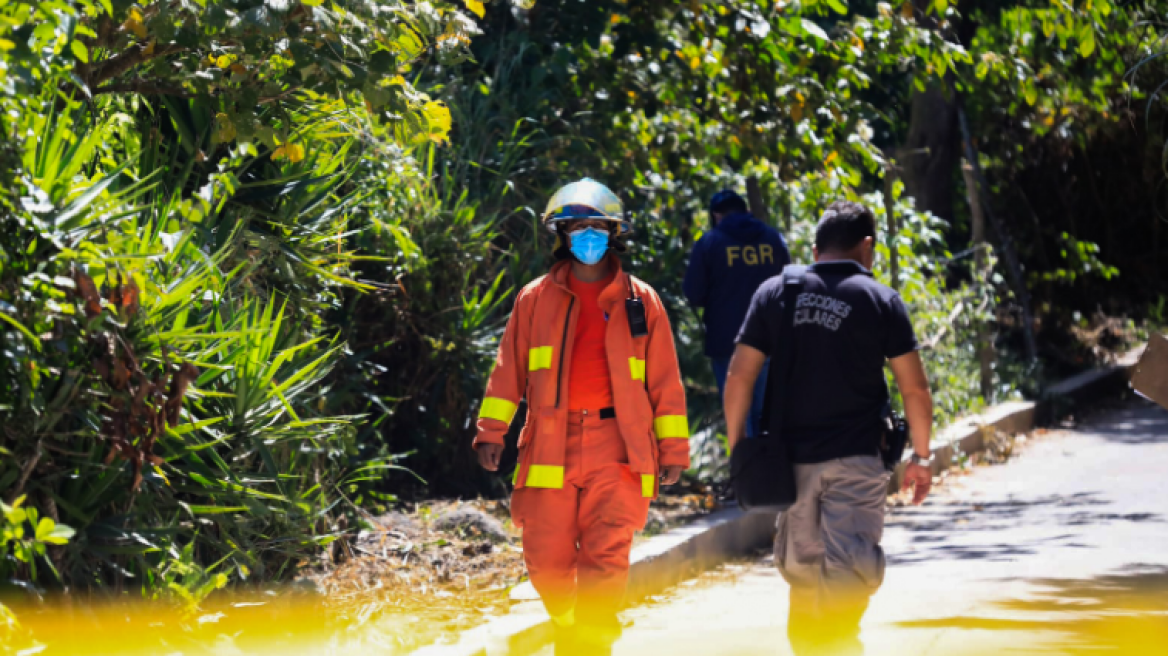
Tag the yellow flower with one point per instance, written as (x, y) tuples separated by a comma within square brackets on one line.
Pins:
[(476, 6), (291, 152), (134, 24)]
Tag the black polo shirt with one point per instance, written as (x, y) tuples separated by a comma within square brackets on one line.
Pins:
[(846, 326)]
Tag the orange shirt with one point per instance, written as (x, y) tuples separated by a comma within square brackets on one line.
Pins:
[(589, 386)]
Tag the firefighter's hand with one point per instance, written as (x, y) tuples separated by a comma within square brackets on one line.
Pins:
[(919, 478), (671, 474), (489, 455)]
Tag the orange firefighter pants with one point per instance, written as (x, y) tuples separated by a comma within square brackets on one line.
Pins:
[(576, 539)]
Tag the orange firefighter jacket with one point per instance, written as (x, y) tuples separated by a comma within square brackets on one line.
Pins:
[(533, 360)]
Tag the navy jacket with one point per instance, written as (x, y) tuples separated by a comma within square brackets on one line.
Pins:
[(726, 266)]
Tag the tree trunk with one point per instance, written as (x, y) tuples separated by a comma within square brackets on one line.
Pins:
[(985, 347), (758, 206), (1006, 245), (893, 227), (931, 151)]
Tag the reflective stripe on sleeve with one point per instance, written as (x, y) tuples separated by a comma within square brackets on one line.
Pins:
[(496, 408), (668, 426), (539, 357), (637, 369), (549, 476), (648, 485)]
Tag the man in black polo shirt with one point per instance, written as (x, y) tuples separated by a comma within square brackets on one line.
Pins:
[(846, 326)]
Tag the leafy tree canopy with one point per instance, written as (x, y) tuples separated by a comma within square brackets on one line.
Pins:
[(241, 56)]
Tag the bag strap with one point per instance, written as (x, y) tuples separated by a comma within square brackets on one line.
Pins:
[(783, 353)]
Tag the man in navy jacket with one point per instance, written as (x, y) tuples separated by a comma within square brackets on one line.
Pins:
[(726, 266)]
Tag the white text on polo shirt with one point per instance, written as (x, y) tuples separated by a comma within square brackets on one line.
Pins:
[(820, 310)]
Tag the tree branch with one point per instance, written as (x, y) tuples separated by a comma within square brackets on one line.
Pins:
[(25, 472), (145, 88), (936, 339), (125, 61), (280, 96)]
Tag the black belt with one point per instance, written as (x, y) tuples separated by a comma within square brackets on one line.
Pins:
[(608, 413)]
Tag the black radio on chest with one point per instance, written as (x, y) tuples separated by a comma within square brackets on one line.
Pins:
[(635, 309)]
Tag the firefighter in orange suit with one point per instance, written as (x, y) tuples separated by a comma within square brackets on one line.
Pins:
[(591, 349)]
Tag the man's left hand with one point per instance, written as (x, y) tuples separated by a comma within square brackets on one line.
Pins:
[(671, 474)]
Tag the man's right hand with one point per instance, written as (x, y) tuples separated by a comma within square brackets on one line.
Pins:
[(489, 455), (920, 478)]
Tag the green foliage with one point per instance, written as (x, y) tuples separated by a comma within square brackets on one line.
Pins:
[(246, 471), (946, 316), (246, 55), (420, 355), (1082, 259), (188, 581), (24, 539), (1056, 57), (189, 187)]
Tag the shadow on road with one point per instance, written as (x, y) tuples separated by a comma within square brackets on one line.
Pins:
[(1030, 523), (1124, 613), (967, 530), (1141, 422)]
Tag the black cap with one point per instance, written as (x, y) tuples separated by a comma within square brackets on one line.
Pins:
[(727, 201)]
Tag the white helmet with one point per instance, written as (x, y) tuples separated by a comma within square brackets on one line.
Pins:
[(585, 199)]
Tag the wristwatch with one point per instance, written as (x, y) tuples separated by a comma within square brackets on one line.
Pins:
[(923, 462)]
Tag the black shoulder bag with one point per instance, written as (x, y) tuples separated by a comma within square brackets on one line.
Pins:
[(761, 471)]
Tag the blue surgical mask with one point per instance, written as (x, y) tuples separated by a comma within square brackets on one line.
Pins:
[(589, 245)]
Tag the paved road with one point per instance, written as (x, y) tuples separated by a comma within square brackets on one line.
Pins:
[(1062, 550)]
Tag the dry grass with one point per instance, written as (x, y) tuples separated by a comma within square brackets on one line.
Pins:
[(410, 584), (415, 584)]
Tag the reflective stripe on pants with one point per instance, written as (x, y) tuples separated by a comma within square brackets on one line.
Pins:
[(576, 540)]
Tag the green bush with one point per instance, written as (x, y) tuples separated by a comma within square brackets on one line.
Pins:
[(166, 384), (185, 191)]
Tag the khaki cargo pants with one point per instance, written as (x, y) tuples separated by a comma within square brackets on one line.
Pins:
[(828, 549)]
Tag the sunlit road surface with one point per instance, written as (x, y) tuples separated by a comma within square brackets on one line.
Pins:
[(1062, 550)]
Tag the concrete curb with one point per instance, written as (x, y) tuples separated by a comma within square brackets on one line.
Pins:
[(656, 564), (1086, 387), (682, 553), (969, 436), (665, 560)]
